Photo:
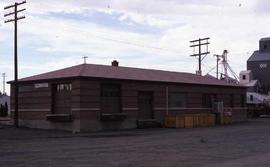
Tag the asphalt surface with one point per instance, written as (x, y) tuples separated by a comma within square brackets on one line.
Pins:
[(246, 144)]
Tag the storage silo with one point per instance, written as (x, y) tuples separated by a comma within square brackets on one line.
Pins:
[(259, 64)]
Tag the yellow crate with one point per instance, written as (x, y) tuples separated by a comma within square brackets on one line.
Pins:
[(202, 120), (211, 119), (180, 121), (196, 120), (170, 121), (189, 121)]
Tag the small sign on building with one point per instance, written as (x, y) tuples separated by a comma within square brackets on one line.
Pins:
[(263, 65), (41, 85)]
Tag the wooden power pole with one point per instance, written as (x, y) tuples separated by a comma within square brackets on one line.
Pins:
[(199, 43), (15, 19), (4, 82)]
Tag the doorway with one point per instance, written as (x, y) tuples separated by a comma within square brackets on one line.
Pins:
[(145, 100)]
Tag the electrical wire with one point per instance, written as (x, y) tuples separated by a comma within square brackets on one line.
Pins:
[(126, 42), (104, 36), (213, 68)]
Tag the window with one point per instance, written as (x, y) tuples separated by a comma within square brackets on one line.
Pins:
[(251, 97), (208, 99), (110, 98), (177, 100), (244, 77), (264, 46), (26, 88), (61, 99), (64, 87)]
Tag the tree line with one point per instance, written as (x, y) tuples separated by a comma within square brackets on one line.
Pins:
[(4, 110)]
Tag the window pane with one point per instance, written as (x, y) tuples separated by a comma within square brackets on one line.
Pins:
[(27, 88), (177, 100), (62, 87), (208, 100)]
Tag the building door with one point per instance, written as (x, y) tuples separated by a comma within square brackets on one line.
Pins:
[(145, 100), (110, 98), (62, 98)]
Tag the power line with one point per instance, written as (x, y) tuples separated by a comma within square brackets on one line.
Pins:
[(217, 72), (134, 44), (126, 42), (15, 19)]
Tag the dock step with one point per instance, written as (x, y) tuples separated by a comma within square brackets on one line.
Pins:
[(149, 123)]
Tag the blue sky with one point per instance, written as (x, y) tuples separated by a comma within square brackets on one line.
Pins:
[(148, 34)]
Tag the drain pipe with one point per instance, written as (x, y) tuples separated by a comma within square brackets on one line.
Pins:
[(167, 100)]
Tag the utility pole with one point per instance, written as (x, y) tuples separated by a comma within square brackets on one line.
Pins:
[(199, 43), (218, 58), (84, 59), (4, 82), (15, 19)]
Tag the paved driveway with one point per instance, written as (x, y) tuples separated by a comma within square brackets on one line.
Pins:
[(246, 144)]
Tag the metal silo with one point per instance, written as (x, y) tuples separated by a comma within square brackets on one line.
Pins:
[(259, 64)]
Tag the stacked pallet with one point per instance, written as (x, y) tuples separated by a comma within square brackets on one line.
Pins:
[(190, 120)]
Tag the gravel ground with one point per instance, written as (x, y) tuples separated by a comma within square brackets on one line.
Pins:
[(245, 144)]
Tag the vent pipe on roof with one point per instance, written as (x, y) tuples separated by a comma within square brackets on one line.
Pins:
[(115, 63)]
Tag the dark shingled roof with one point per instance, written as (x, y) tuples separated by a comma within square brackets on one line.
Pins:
[(265, 39), (127, 73), (259, 56)]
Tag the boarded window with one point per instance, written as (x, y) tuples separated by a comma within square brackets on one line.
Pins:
[(110, 98), (26, 88), (177, 100), (208, 99)]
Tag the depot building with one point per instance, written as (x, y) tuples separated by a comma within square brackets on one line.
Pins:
[(90, 97)]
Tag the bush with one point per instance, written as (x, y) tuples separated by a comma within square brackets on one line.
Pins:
[(4, 110), (1, 110)]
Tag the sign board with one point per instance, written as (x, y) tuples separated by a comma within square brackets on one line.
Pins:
[(41, 85), (263, 65)]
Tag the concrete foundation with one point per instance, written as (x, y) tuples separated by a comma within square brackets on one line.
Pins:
[(73, 126)]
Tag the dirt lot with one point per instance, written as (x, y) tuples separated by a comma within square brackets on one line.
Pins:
[(246, 144)]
